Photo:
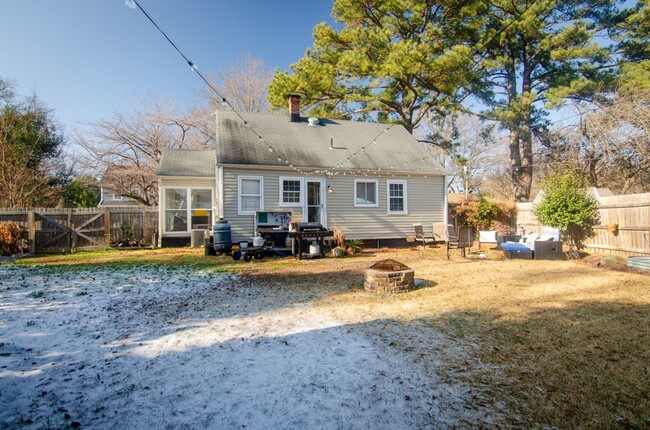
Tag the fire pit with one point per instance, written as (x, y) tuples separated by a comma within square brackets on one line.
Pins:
[(389, 276)]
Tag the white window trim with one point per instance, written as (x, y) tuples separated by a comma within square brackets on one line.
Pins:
[(281, 203), (363, 205), (405, 197), (239, 195)]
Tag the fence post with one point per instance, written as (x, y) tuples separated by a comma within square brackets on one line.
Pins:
[(31, 231), (71, 235), (107, 227)]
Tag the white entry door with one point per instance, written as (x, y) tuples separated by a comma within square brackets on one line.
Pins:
[(315, 202)]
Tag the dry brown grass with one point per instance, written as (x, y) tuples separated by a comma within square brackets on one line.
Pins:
[(560, 343)]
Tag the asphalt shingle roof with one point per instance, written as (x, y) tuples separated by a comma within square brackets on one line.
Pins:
[(308, 146), (187, 162)]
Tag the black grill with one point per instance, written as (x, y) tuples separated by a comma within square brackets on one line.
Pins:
[(310, 231), (308, 226)]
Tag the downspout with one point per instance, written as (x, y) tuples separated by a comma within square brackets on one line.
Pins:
[(446, 191), (220, 191), (161, 214), (218, 171)]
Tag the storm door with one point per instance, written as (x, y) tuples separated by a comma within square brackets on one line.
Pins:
[(315, 204)]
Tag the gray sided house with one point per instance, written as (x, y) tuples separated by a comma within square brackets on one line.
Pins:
[(108, 195), (371, 183)]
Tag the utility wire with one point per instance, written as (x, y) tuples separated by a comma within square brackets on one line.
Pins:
[(226, 102), (326, 171), (189, 62)]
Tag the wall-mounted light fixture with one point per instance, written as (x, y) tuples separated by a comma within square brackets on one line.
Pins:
[(330, 190)]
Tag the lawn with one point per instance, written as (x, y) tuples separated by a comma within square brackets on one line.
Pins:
[(298, 344)]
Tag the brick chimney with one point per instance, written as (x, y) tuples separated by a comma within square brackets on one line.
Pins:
[(294, 107)]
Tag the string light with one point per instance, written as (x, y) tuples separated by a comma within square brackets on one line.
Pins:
[(132, 4), (225, 103)]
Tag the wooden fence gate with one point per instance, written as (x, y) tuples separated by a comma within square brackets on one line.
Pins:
[(69, 232)]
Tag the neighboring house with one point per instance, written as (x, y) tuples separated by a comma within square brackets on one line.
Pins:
[(108, 196), (111, 198), (317, 170)]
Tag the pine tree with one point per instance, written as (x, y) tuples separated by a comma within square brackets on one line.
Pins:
[(543, 53), (397, 60)]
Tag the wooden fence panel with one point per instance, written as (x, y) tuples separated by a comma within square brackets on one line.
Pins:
[(630, 212), (65, 230)]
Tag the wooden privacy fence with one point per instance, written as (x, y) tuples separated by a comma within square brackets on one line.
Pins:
[(68, 230), (630, 213)]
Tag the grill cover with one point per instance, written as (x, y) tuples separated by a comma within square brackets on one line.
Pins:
[(308, 226)]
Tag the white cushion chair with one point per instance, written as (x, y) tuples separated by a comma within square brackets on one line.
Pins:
[(486, 236)]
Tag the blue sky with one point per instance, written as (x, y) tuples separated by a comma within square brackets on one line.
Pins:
[(87, 58)]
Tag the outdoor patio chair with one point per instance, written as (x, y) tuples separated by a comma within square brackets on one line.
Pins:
[(421, 237), (438, 228), (486, 236), (459, 239)]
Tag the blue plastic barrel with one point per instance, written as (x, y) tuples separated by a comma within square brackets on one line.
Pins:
[(222, 238)]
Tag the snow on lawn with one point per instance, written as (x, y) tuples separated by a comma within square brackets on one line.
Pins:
[(163, 347)]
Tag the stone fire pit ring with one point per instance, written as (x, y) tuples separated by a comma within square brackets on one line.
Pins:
[(389, 276)]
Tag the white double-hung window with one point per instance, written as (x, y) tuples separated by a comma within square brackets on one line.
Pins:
[(396, 195), (290, 191), (250, 194), (366, 193)]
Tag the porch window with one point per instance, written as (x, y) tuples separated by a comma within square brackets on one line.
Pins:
[(187, 208), (201, 208), (365, 193), (290, 192), (175, 209), (396, 191), (250, 194)]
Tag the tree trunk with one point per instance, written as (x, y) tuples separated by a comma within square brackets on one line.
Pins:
[(520, 167), (522, 191), (525, 174)]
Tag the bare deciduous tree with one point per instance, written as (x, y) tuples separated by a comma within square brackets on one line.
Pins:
[(468, 148), (611, 145), (619, 135), (6, 90), (125, 149), (245, 85)]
